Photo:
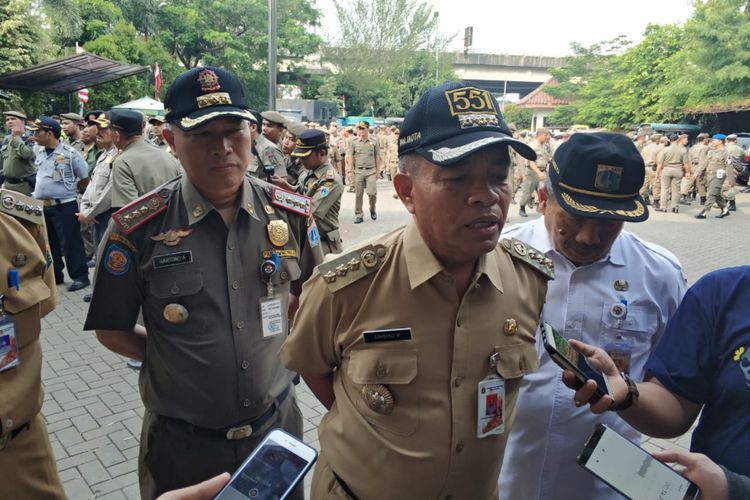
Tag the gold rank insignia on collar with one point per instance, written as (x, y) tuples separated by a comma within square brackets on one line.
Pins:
[(24, 207), (173, 237), (523, 252), (352, 266), (293, 202), (132, 216)]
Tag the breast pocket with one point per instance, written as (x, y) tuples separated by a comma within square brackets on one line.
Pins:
[(629, 338), (381, 385), (174, 300)]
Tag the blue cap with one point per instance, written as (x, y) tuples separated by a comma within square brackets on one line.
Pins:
[(599, 175), (719, 137), (453, 121), (47, 123)]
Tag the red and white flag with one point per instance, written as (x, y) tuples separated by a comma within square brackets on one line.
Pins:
[(83, 94), (157, 81)]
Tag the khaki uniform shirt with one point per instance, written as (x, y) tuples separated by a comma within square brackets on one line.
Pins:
[(697, 156), (325, 187), (16, 162), (427, 446), (649, 153), (140, 168), (392, 149), (674, 155), (24, 248), (716, 160), (543, 154), (213, 369), (268, 154), (364, 153), (97, 198), (735, 154), (76, 144), (383, 147)]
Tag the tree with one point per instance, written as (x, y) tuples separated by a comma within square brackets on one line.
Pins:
[(520, 117), (20, 34)]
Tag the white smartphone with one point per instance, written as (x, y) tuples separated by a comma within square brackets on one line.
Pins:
[(272, 470), (631, 470), (567, 358)]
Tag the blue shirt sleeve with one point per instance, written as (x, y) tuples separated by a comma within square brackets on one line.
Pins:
[(683, 360), (80, 167)]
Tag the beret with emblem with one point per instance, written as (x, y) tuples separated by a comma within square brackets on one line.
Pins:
[(307, 141), (274, 117), (454, 120), (75, 117), (93, 115), (16, 114), (599, 175), (295, 128), (202, 94), (126, 120)]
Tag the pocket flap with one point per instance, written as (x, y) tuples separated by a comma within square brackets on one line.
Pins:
[(369, 366), (32, 292), (516, 360), (173, 284), (292, 268)]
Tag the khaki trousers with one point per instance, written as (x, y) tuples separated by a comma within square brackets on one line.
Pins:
[(28, 467), (365, 180), (529, 185), (670, 184), (714, 191)]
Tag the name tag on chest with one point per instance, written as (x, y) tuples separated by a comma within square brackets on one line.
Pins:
[(173, 259), (391, 335)]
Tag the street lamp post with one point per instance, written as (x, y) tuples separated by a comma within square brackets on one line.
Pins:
[(272, 54), (437, 49)]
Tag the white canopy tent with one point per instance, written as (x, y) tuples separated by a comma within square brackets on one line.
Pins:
[(146, 105)]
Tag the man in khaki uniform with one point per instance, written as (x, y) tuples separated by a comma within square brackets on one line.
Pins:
[(292, 164), (671, 166), (535, 170), (267, 155), (716, 175), (322, 183), (649, 154), (383, 137), (734, 161), (17, 167), (697, 157), (393, 155), (158, 124), (140, 167), (72, 125), (189, 256), (343, 165), (26, 459), (365, 160), (401, 386)]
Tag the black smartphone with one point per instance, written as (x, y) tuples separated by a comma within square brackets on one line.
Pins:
[(272, 470), (631, 470), (563, 354)]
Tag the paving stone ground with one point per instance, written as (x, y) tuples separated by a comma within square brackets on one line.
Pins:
[(93, 408)]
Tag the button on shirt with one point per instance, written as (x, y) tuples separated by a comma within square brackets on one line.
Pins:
[(214, 368), (59, 172), (549, 432), (427, 446)]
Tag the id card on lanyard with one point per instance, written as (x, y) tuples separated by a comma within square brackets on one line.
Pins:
[(491, 402), (8, 343)]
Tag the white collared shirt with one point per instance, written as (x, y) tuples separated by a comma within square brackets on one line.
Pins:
[(549, 431)]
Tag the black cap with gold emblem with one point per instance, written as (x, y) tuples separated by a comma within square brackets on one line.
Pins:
[(599, 175), (308, 141), (454, 120), (203, 94)]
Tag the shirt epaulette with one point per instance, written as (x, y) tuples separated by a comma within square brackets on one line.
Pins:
[(69, 148), (293, 202), (330, 175), (353, 266), (525, 253), (18, 205), (132, 216)]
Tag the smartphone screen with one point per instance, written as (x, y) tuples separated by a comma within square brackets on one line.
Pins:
[(631, 470), (558, 347), (272, 470)]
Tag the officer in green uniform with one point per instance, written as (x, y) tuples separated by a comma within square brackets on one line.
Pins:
[(140, 167), (292, 164), (91, 150), (364, 159), (216, 261), (716, 174), (27, 293), (157, 138), (72, 125), (323, 184), (17, 167), (267, 157)]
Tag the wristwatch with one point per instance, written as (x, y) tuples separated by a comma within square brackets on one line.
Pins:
[(632, 396)]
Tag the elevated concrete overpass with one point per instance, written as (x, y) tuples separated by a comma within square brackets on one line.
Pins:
[(504, 73)]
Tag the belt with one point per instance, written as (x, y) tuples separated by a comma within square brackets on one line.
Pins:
[(57, 201), (237, 432), (7, 438)]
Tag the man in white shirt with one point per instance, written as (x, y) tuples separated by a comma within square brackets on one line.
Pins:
[(611, 289)]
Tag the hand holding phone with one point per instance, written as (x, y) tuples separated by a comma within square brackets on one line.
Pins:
[(631, 470), (272, 470)]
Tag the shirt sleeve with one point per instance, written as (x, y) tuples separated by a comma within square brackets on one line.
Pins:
[(322, 203), (23, 150), (118, 290), (310, 256), (80, 167), (124, 190), (682, 360)]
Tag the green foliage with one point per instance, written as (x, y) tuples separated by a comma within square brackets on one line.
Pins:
[(19, 35), (520, 117)]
